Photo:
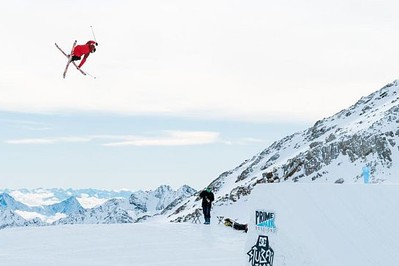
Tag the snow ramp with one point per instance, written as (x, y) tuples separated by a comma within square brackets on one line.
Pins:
[(323, 224)]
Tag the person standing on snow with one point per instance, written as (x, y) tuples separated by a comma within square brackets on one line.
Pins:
[(207, 198), (83, 50)]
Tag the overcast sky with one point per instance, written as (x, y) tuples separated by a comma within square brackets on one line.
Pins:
[(184, 89)]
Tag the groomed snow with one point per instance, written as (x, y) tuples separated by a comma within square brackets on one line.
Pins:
[(330, 224), (155, 243)]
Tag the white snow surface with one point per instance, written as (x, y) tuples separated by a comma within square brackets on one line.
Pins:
[(156, 243), (330, 224)]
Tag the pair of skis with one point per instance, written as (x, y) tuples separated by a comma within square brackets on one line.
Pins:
[(70, 61)]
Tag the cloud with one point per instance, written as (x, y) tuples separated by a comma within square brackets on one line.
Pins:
[(171, 138), (37, 198), (48, 140), (165, 138), (24, 124)]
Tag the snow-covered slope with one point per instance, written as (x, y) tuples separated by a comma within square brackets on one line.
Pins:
[(9, 218), (335, 149), (153, 202), (327, 224)]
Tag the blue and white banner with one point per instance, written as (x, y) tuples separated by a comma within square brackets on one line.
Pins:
[(265, 221)]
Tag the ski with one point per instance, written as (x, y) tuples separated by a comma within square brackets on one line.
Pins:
[(69, 59), (78, 68)]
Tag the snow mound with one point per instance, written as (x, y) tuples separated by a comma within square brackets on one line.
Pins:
[(327, 224)]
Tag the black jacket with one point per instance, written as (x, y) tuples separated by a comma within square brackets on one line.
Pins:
[(205, 195)]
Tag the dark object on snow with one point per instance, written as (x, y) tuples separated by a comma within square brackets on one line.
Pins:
[(237, 226), (207, 198)]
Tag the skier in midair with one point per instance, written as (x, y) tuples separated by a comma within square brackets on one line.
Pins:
[(207, 198), (83, 50)]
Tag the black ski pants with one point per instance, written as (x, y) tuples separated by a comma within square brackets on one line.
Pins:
[(207, 211)]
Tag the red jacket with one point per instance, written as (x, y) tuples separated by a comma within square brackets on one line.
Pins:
[(85, 50)]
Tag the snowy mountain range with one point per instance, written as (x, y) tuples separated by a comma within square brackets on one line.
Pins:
[(68, 206), (87, 197), (334, 150), (136, 207)]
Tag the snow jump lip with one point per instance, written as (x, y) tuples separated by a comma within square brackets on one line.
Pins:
[(324, 224)]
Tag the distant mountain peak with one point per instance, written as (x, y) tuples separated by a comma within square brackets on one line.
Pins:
[(68, 206), (5, 199), (8, 202)]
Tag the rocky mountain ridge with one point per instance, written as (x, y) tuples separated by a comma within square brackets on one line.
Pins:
[(333, 150)]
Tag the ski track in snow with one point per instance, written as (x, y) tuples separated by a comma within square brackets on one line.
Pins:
[(123, 244)]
